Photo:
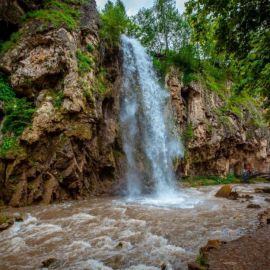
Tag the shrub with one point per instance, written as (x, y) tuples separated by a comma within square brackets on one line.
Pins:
[(18, 115), (6, 93), (8, 144), (9, 44), (188, 134), (18, 111), (100, 83), (84, 62), (189, 77), (58, 99), (90, 48), (57, 13)]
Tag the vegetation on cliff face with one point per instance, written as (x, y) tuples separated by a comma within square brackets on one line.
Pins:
[(239, 30), (17, 116), (58, 13)]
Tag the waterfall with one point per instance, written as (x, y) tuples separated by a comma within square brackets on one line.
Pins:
[(145, 120)]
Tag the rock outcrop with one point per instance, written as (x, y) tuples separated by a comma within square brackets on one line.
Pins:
[(72, 148), (215, 144)]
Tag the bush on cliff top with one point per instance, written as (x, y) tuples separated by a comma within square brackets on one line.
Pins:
[(57, 13), (114, 22)]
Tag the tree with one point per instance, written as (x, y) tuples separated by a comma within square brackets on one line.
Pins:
[(114, 22), (161, 28), (241, 30)]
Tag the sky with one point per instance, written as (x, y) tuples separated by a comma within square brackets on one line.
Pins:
[(132, 6)]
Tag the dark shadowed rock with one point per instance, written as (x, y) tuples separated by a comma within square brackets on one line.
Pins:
[(195, 266), (254, 206)]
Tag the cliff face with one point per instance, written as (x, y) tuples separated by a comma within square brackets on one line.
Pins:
[(72, 147), (216, 143)]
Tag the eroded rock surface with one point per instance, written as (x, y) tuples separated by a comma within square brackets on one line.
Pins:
[(217, 145), (72, 148)]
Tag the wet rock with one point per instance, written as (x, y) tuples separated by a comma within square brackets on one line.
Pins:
[(233, 195), (264, 217), (17, 217), (211, 244), (195, 266), (4, 226), (6, 222), (224, 192), (163, 266), (254, 206), (119, 245), (247, 197), (51, 263), (202, 260), (263, 190), (267, 199)]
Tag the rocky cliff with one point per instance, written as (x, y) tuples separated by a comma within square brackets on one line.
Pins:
[(71, 148), (64, 142), (221, 135)]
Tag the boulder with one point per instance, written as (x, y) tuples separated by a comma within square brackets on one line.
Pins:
[(264, 218), (224, 191), (263, 190)]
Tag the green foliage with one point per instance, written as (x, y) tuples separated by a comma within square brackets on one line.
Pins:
[(188, 134), (202, 261), (90, 48), (57, 13), (84, 62), (114, 23), (195, 181), (239, 30), (161, 28), (189, 77), (100, 83), (6, 92), (3, 218), (9, 44), (9, 144), (18, 115), (58, 98), (185, 59), (18, 111)]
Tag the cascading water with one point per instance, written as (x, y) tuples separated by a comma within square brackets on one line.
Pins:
[(145, 121)]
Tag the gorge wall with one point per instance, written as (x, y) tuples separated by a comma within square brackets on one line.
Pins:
[(73, 148), (217, 143)]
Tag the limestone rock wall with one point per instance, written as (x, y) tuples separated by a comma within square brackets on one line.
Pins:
[(215, 146), (71, 149)]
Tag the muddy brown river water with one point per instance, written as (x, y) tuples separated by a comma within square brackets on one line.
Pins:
[(114, 233)]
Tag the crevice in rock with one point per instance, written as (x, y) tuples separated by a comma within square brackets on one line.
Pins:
[(107, 173), (107, 108), (6, 30)]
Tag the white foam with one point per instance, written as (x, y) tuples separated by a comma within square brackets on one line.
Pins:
[(142, 267), (89, 265)]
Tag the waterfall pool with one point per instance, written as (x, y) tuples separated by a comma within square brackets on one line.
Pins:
[(120, 233)]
